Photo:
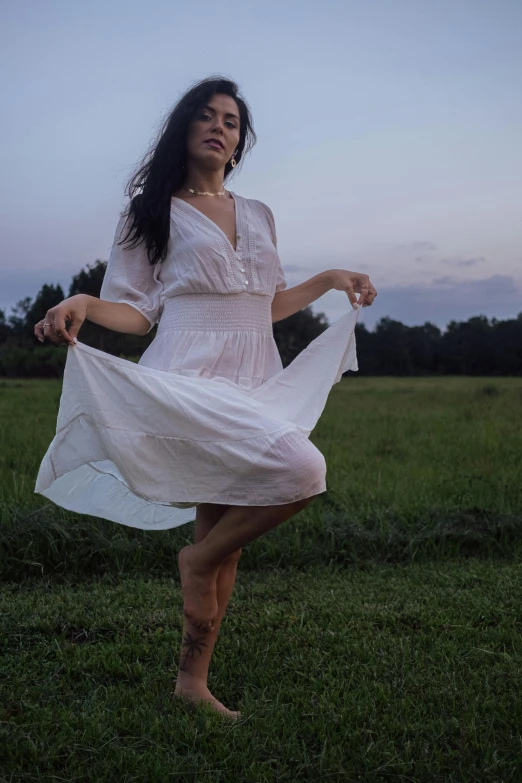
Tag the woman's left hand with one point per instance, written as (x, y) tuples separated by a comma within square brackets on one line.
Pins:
[(354, 283)]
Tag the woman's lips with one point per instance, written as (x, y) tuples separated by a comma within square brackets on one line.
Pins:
[(214, 144)]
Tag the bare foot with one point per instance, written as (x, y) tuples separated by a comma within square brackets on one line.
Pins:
[(200, 605), (195, 693)]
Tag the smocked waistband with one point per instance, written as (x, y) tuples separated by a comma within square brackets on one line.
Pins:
[(241, 311)]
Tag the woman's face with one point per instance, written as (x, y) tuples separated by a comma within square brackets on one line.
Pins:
[(218, 120)]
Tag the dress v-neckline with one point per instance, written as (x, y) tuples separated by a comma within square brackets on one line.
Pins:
[(213, 222)]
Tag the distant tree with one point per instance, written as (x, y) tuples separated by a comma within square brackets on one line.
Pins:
[(477, 346), (365, 341), (5, 329), (424, 348), (507, 346), (18, 318), (473, 347), (294, 333), (89, 280), (467, 347), (391, 348)]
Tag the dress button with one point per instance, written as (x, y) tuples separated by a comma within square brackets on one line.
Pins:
[(246, 282), (242, 269)]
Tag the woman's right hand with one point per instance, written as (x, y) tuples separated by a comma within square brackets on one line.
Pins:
[(52, 327)]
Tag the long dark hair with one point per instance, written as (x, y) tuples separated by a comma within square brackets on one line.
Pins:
[(162, 169)]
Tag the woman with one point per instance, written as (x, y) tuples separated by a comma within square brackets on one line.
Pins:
[(208, 425)]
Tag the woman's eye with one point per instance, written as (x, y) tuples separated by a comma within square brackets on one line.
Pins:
[(208, 117)]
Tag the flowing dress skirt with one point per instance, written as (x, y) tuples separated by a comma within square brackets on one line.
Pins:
[(143, 446)]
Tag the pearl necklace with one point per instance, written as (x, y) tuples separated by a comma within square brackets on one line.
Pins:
[(205, 192)]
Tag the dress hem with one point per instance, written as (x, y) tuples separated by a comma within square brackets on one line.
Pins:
[(130, 508)]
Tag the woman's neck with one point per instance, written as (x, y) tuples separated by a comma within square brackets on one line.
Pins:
[(210, 181)]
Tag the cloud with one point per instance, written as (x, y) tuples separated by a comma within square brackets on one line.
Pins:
[(421, 246), (426, 250), (445, 280), (450, 298), (444, 299), (463, 261)]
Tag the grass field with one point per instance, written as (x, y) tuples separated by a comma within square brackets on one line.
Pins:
[(375, 635)]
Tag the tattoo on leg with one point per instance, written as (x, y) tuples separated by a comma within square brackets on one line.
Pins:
[(193, 646)]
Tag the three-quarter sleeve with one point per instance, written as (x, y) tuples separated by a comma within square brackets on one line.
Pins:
[(130, 278), (281, 280), (281, 283)]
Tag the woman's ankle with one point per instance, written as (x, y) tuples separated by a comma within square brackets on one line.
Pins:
[(188, 679)]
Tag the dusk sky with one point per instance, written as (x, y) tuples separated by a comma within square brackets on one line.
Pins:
[(389, 137)]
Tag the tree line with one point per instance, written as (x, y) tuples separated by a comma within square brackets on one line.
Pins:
[(478, 346)]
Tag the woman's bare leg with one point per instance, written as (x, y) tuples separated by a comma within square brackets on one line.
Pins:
[(199, 563), (197, 647)]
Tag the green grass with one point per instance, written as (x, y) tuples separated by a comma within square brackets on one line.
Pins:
[(375, 635), (406, 673), (417, 469)]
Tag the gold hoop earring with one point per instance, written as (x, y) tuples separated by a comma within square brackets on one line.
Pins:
[(233, 161)]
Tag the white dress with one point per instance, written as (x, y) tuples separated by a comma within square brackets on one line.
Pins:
[(208, 414)]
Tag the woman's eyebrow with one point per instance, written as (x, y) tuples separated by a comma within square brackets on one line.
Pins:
[(228, 114)]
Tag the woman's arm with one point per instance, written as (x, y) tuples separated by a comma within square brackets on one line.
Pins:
[(118, 316), (291, 300)]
